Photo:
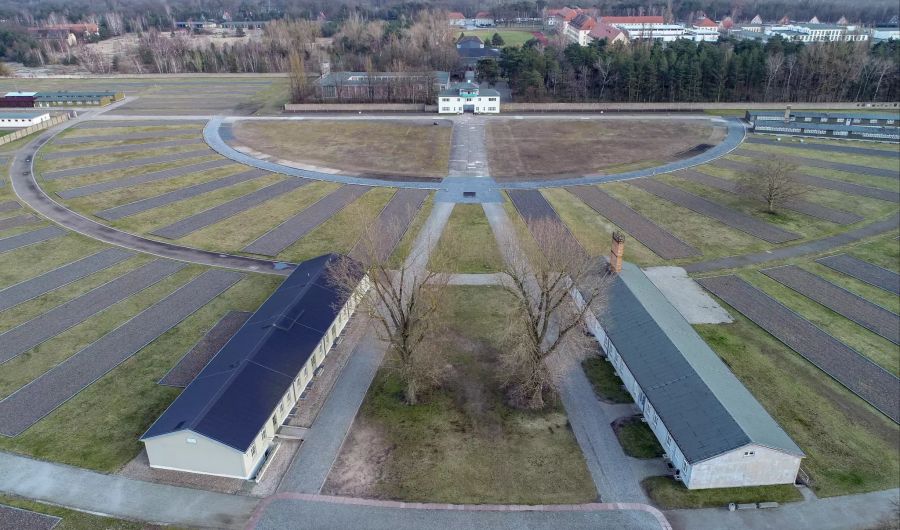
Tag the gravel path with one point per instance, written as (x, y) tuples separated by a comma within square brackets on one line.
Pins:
[(849, 305), (723, 214), (29, 404), (103, 124), (187, 368), (815, 246), (127, 182), (116, 149), (112, 166), (797, 205), (17, 221), (831, 148), (223, 211), (814, 162), (859, 374), (399, 212), (288, 232), (9, 206), (29, 334), (140, 135), (660, 241), (19, 519), (149, 203), (864, 271), (821, 182), (64, 275), (30, 238), (533, 206)]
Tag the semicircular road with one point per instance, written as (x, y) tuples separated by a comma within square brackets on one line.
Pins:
[(212, 134), (27, 189)]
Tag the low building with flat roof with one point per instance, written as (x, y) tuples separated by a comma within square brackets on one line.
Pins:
[(397, 87), (224, 423), (80, 98), (714, 432), (22, 119)]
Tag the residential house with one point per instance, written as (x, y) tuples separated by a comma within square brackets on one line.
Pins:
[(611, 34), (483, 19), (578, 29), (456, 18)]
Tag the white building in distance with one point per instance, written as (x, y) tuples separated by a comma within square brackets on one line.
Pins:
[(20, 120), (468, 97)]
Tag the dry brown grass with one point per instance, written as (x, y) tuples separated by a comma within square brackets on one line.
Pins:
[(380, 148), (562, 148)]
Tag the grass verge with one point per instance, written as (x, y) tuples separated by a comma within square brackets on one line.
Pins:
[(669, 494), (606, 383), (73, 519), (637, 439), (469, 242)]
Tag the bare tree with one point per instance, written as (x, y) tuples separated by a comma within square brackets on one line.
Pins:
[(404, 301), (546, 320), (774, 183)]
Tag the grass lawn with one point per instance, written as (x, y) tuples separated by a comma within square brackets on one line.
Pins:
[(850, 447), (463, 444), (383, 148), (87, 132), (637, 439), (511, 37), (669, 494), (539, 148), (42, 165), (73, 519), (843, 158), (469, 242), (65, 183), (855, 178), (606, 383), (884, 252), (405, 245), (343, 230), (114, 411)]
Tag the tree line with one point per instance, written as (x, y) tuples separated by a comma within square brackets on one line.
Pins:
[(778, 71)]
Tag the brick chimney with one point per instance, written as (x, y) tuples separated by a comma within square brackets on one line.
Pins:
[(616, 252)]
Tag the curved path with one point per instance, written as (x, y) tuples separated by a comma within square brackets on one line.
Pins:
[(212, 133), (28, 190)]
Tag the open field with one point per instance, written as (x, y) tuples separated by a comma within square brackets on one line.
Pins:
[(668, 494), (114, 410), (510, 37), (469, 242), (463, 444), (822, 416), (563, 148), (378, 148)]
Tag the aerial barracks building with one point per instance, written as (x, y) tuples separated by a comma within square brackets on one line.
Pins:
[(468, 97), (22, 119), (59, 99), (713, 431), (882, 127), (225, 421)]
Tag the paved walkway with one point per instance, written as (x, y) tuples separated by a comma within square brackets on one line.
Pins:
[(869, 510), (119, 496), (27, 189), (792, 251), (319, 511)]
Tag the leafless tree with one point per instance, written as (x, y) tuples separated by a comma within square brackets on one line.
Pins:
[(403, 301), (774, 183), (546, 320)]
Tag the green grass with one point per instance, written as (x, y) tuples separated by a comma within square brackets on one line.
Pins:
[(712, 238), (855, 178), (44, 165), (113, 412), (464, 444), (405, 245), (342, 231), (878, 349), (668, 494), (72, 519), (468, 242), (60, 148), (510, 37), (87, 132), (637, 439), (26, 262), (884, 252), (592, 230), (55, 185), (234, 233), (606, 383), (850, 447), (844, 158)]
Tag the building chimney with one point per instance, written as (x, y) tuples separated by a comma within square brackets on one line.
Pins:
[(787, 114), (616, 252)]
